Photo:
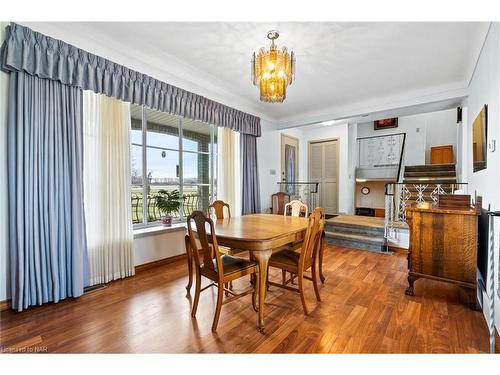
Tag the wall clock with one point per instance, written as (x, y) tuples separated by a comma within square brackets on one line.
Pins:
[(365, 190)]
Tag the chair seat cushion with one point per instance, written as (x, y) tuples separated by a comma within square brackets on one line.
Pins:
[(232, 264), (287, 257)]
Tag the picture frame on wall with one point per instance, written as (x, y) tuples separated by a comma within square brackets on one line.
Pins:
[(480, 140), (386, 123)]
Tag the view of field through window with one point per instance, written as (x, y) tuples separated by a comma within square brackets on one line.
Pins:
[(180, 154)]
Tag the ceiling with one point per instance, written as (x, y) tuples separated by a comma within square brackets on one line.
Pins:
[(338, 64)]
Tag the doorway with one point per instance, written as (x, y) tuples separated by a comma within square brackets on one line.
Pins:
[(324, 168), (289, 162)]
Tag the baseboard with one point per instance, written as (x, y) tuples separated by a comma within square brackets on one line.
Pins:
[(5, 305), (158, 263)]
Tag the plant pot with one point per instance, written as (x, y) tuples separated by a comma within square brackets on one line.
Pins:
[(166, 220)]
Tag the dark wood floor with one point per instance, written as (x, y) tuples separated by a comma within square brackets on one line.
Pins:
[(364, 310)]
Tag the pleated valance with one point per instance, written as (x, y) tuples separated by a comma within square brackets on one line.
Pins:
[(45, 57)]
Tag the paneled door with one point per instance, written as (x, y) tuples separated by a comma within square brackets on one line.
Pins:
[(323, 168)]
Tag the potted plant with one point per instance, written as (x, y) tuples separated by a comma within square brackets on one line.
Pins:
[(168, 202)]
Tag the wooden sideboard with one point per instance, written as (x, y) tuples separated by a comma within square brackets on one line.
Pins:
[(443, 247)]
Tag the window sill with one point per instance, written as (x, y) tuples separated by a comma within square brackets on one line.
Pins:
[(159, 229)]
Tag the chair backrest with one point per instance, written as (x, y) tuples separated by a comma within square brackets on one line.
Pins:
[(208, 241), (312, 238), (218, 207), (296, 208), (278, 201)]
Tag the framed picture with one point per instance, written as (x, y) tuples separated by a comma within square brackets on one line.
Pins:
[(386, 123), (480, 139)]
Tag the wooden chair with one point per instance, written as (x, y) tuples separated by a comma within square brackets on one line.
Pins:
[(217, 267), (296, 208), (218, 206), (297, 263), (278, 201)]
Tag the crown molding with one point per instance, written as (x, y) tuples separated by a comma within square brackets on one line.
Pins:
[(455, 90)]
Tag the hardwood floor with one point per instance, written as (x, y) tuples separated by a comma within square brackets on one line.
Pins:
[(364, 310)]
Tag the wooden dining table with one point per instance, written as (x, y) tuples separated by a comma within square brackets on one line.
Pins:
[(261, 235)]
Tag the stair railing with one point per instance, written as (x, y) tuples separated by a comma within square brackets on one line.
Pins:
[(306, 192), (491, 279), (392, 197), (401, 195)]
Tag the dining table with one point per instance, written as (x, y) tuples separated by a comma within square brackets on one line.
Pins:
[(261, 235)]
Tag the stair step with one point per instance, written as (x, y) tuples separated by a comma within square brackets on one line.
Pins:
[(430, 182), (430, 167), (355, 241), (357, 237), (354, 229), (430, 174)]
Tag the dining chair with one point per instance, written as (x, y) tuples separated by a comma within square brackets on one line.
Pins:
[(218, 207), (278, 201), (296, 208), (217, 267), (297, 264)]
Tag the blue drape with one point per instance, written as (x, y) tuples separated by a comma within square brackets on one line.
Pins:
[(37, 54), (250, 175), (47, 243)]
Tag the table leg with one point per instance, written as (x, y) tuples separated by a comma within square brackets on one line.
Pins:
[(190, 263), (262, 258)]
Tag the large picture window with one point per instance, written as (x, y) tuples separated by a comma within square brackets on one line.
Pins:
[(171, 153)]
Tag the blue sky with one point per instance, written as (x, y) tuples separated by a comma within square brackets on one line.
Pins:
[(164, 167)]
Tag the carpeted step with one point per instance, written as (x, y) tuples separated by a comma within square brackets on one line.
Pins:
[(355, 229), (431, 173), (430, 167), (355, 241)]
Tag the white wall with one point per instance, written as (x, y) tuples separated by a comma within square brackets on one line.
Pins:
[(422, 132), (159, 246), (269, 160), (461, 156), (4, 216), (484, 88), (351, 168)]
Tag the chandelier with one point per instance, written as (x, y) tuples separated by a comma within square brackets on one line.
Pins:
[(273, 70)]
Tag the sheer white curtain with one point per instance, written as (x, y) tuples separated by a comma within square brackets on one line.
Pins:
[(107, 187), (228, 169)]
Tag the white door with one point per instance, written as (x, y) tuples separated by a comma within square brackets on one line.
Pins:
[(323, 168)]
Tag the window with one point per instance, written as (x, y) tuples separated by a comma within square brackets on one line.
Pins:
[(172, 153)]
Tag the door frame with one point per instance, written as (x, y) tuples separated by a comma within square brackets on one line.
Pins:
[(324, 140), (283, 135)]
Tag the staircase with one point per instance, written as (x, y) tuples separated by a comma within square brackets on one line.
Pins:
[(430, 174), (357, 232), (426, 178)]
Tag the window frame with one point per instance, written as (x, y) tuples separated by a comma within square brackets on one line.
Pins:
[(213, 165)]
